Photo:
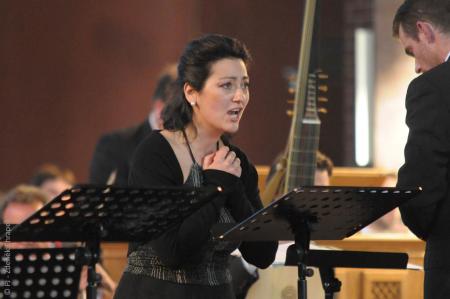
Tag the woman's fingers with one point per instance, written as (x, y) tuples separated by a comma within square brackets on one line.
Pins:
[(231, 156), (208, 160), (221, 154), (224, 160)]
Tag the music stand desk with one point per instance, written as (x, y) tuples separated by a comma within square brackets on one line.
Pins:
[(92, 214), (39, 273), (323, 213)]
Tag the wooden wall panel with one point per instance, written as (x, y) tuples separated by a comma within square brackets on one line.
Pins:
[(72, 70)]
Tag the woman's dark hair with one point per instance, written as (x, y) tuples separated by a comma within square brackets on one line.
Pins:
[(194, 68)]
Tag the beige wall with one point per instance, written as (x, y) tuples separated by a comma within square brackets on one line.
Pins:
[(394, 70)]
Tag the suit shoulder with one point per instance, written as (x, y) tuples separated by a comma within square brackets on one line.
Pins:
[(133, 131), (125, 135), (437, 77)]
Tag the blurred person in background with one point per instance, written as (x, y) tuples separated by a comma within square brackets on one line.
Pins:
[(392, 221), (112, 156), (53, 180)]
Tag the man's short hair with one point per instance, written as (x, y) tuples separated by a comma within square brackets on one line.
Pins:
[(51, 172), (166, 82), (23, 194), (436, 12), (324, 163)]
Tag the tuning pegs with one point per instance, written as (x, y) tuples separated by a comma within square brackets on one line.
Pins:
[(323, 88), (322, 110), (322, 99), (322, 76), (290, 113)]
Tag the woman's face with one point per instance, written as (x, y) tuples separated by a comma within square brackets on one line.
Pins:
[(221, 102)]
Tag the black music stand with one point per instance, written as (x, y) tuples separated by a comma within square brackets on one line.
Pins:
[(318, 213), (92, 214), (39, 273)]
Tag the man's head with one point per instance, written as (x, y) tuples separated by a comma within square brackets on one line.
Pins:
[(324, 170), (162, 94), (52, 180), (423, 28), (19, 203)]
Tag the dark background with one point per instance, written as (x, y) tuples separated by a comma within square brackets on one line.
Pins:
[(71, 70)]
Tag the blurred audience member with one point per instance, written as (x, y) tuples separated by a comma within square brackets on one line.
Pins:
[(112, 156), (17, 205), (324, 170), (53, 180), (392, 221)]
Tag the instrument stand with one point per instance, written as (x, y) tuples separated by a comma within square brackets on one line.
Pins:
[(323, 213)]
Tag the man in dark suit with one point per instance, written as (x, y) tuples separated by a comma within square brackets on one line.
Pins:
[(112, 156), (423, 28)]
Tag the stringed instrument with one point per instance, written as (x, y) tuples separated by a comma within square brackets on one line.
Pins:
[(304, 160), (297, 165)]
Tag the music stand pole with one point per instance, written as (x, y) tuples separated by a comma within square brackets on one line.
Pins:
[(330, 283), (302, 240), (92, 255)]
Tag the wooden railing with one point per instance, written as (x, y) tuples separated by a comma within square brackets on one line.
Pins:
[(343, 176)]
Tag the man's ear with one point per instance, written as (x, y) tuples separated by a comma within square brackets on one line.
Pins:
[(158, 105), (190, 93), (426, 31)]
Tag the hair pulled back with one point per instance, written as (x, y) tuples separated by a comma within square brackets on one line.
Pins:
[(194, 68)]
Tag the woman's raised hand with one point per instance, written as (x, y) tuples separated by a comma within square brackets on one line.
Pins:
[(224, 160)]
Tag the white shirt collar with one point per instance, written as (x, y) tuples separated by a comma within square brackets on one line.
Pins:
[(152, 121)]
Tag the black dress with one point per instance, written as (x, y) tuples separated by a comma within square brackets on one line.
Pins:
[(185, 262)]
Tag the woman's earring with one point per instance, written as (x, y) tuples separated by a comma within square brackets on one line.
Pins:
[(192, 103)]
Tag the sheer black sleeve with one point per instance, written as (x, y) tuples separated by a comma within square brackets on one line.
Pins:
[(244, 202)]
